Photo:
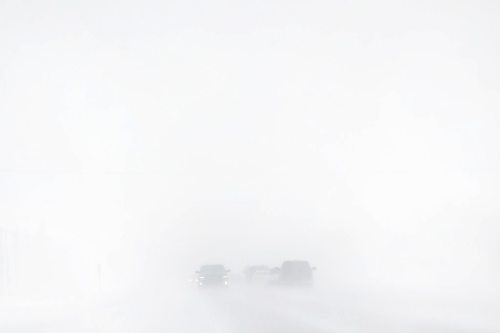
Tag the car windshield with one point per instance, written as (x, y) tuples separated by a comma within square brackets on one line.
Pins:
[(296, 267), (262, 270), (212, 269)]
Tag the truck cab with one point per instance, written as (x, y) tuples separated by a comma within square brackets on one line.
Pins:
[(295, 272)]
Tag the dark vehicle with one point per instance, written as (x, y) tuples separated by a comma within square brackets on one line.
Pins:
[(212, 276), (295, 273)]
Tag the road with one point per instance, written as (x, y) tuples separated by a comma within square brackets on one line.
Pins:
[(252, 309)]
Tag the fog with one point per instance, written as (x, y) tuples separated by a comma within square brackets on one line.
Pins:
[(140, 140)]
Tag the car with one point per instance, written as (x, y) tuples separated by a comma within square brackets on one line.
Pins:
[(294, 273), (214, 275), (257, 274)]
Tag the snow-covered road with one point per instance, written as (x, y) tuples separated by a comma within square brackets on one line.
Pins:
[(248, 309)]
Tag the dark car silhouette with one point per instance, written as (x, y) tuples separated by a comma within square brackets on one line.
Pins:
[(257, 274), (212, 276), (295, 273)]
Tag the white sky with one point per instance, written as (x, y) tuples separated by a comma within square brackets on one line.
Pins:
[(362, 135)]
